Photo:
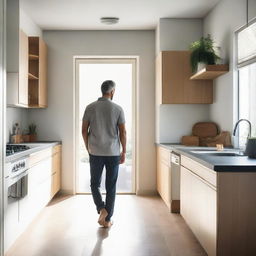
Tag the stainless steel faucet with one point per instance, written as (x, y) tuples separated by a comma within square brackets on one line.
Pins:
[(250, 127)]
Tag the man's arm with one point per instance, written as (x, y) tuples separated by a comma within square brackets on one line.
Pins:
[(85, 133), (122, 136)]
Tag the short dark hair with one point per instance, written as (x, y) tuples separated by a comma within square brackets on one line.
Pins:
[(107, 86)]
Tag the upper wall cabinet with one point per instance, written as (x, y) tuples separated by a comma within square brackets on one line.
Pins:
[(26, 63), (17, 82), (173, 84), (37, 86), (28, 87)]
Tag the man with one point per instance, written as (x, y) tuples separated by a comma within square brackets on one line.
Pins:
[(103, 129)]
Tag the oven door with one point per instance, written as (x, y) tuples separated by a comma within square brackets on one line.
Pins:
[(18, 186), (15, 188)]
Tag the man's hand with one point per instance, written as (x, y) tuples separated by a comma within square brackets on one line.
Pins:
[(122, 158)]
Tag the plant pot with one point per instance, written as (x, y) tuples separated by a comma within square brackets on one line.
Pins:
[(250, 149), (200, 66), (26, 138), (32, 137), (16, 138)]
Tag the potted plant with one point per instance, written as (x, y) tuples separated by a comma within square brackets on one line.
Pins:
[(202, 51), (32, 132)]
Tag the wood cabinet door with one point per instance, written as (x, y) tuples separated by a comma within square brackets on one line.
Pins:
[(165, 183), (173, 72), (56, 170), (159, 174), (163, 174), (42, 99), (23, 69), (199, 209), (185, 194)]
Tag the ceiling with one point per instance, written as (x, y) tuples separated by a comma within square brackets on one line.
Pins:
[(133, 14)]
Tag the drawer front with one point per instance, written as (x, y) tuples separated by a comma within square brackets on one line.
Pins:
[(203, 172), (163, 155), (39, 156)]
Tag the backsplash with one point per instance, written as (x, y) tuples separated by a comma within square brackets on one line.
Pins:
[(15, 115)]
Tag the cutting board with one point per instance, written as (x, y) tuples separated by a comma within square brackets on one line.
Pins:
[(205, 129)]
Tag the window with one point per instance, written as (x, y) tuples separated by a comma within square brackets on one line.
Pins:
[(246, 63), (247, 101)]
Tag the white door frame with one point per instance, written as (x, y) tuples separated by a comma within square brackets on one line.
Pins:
[(134, 60), (2, 114)]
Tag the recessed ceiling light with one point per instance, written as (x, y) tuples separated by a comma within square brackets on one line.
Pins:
[(109, 20)]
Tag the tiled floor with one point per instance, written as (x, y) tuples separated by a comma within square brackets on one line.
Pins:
[(142, 227)]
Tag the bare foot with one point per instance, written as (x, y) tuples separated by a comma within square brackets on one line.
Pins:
[(103, 215), (108, 224)]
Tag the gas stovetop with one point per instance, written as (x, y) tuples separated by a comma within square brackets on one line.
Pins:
[(13, 148)]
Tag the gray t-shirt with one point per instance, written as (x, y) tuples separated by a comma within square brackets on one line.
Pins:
[(104, 116)]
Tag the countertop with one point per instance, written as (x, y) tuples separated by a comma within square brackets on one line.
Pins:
[(35, 147), (216, 163)]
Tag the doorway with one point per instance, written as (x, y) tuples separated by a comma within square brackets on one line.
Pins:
[(90, 73)]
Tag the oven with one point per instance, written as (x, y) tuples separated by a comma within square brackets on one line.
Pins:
[(16, 179)]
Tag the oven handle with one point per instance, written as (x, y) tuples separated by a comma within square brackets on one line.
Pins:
[(14, 179)]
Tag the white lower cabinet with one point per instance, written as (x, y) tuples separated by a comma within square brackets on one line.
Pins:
[(199, 208), (39, 187), (43, 184)]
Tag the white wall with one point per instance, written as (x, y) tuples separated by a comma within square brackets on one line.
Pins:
[(221, 23), (28, 25), (176, 120), (177, 34), (15, 115), (2, 116), (18, 19), (56, 122)]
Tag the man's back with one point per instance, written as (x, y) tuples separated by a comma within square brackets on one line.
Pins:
[(104, 117)]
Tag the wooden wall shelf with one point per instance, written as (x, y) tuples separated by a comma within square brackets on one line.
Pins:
[(210, 72), (33, 57), (32, 77)]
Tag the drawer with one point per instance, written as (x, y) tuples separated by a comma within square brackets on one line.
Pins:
[(164, 155), (39, 156), (203, 172)]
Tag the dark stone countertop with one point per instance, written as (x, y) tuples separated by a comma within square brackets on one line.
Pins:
[(216, 163)]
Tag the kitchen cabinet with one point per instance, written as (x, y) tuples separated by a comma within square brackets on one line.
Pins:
[(168, 180), (37, 82), (17, 82), (198, 208), (26, 64), (43, 183), (219, 207), (163, 174), (173, 84), (28, 86), (56, 170)]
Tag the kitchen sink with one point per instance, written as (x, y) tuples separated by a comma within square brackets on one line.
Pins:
[(218, 153)]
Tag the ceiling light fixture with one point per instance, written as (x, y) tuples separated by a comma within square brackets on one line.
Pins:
[(109, 20)]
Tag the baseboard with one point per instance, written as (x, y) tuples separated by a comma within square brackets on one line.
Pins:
[(66, 192), (142, 192), (175, 206)]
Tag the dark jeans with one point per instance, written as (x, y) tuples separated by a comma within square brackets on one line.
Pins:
[(97, 164)]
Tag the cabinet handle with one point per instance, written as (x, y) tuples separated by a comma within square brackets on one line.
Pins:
[(201, 179)]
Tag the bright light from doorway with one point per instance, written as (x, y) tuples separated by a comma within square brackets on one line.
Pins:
[(91, 76)]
